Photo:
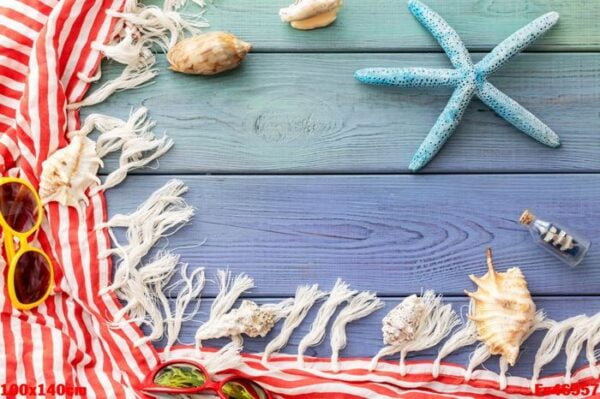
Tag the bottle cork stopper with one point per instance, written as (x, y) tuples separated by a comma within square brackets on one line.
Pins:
[(526, 217)]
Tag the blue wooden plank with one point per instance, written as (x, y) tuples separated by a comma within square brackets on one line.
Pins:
[(305, 113), (364, 336), (390, 234)]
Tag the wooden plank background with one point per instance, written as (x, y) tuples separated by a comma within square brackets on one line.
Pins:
[(299, 174)]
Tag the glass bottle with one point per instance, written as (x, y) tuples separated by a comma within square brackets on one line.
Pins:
[(560, 241)]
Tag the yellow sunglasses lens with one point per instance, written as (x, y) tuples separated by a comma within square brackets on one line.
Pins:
[(32, 277), (242, 388), (18, 206)]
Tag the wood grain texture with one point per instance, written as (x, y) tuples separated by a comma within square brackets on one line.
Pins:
[(364, 336), (391, 234), (386, 25), (305, 113)]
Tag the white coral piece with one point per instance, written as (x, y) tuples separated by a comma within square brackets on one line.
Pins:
[(69, 172)]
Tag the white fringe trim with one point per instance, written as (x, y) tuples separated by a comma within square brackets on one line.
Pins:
[(141, 29), (340, 293), (360, 306), (159, 216), (305, 298)]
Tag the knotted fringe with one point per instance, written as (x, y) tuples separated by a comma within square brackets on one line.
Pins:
[(190, 287), (360, 306), (141, 28), (340, 293), (464, 337), (593, 338), (438, 321), (227, 358), (138, 144), (552, 344), (305, 298), (142, 292), (540, 322), (159, 216), (229, 291)]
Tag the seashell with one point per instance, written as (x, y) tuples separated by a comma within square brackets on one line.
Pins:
[(208, 54), (311, 14), (503, 311), (68, 173), (400, 325)]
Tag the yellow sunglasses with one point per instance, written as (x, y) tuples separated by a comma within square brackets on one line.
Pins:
[(30, 272)]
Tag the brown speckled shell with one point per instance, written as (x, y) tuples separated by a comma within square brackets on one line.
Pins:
[(208, 54), (502, 310)]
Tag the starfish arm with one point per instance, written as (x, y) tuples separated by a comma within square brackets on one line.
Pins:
[(443, 33), (444, 127), (408, 77), (516, 42), (517, 115)]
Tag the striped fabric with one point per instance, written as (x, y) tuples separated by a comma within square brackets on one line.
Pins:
[(45, 57), (44, 50)]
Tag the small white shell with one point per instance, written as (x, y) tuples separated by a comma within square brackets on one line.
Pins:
[(311, 14), (208, 54), (401, 323), (68, 173)]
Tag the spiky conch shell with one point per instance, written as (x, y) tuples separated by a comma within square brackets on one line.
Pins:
[(503, 310), (208, 54), (68, 173)]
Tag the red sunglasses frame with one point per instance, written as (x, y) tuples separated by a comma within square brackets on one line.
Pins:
[(148, 387)]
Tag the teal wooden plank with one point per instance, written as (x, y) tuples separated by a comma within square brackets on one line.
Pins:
[(364, 336), (390, 234), (386, 25), (305, 113)]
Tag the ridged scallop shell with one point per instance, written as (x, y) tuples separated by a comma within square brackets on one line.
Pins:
[(311, 14), (502, 310), (208, 54), (68, 173)]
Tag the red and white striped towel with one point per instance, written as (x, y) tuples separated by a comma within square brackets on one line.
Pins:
[(45, 57)]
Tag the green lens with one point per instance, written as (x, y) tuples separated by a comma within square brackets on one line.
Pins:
[(243, 389), (180, 375)]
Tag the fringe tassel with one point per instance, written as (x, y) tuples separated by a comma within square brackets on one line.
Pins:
[(305, 298), (159, 216), (552, 344), (142, 28), (134, 137), (192, 288), (229, 292), (141, 291), (225, 359), (464, 337), (360, 306), (575, 344), (340, 293), (437, 321), (480, 355), (593, 339)]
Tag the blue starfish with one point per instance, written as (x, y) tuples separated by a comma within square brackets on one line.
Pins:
[(469, 80)]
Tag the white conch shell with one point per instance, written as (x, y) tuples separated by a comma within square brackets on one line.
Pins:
[(68, 173), (208, 54), (401, 324), (311, 14), (503, 311)]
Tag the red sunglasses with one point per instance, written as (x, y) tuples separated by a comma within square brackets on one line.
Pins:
[(188, 377)]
